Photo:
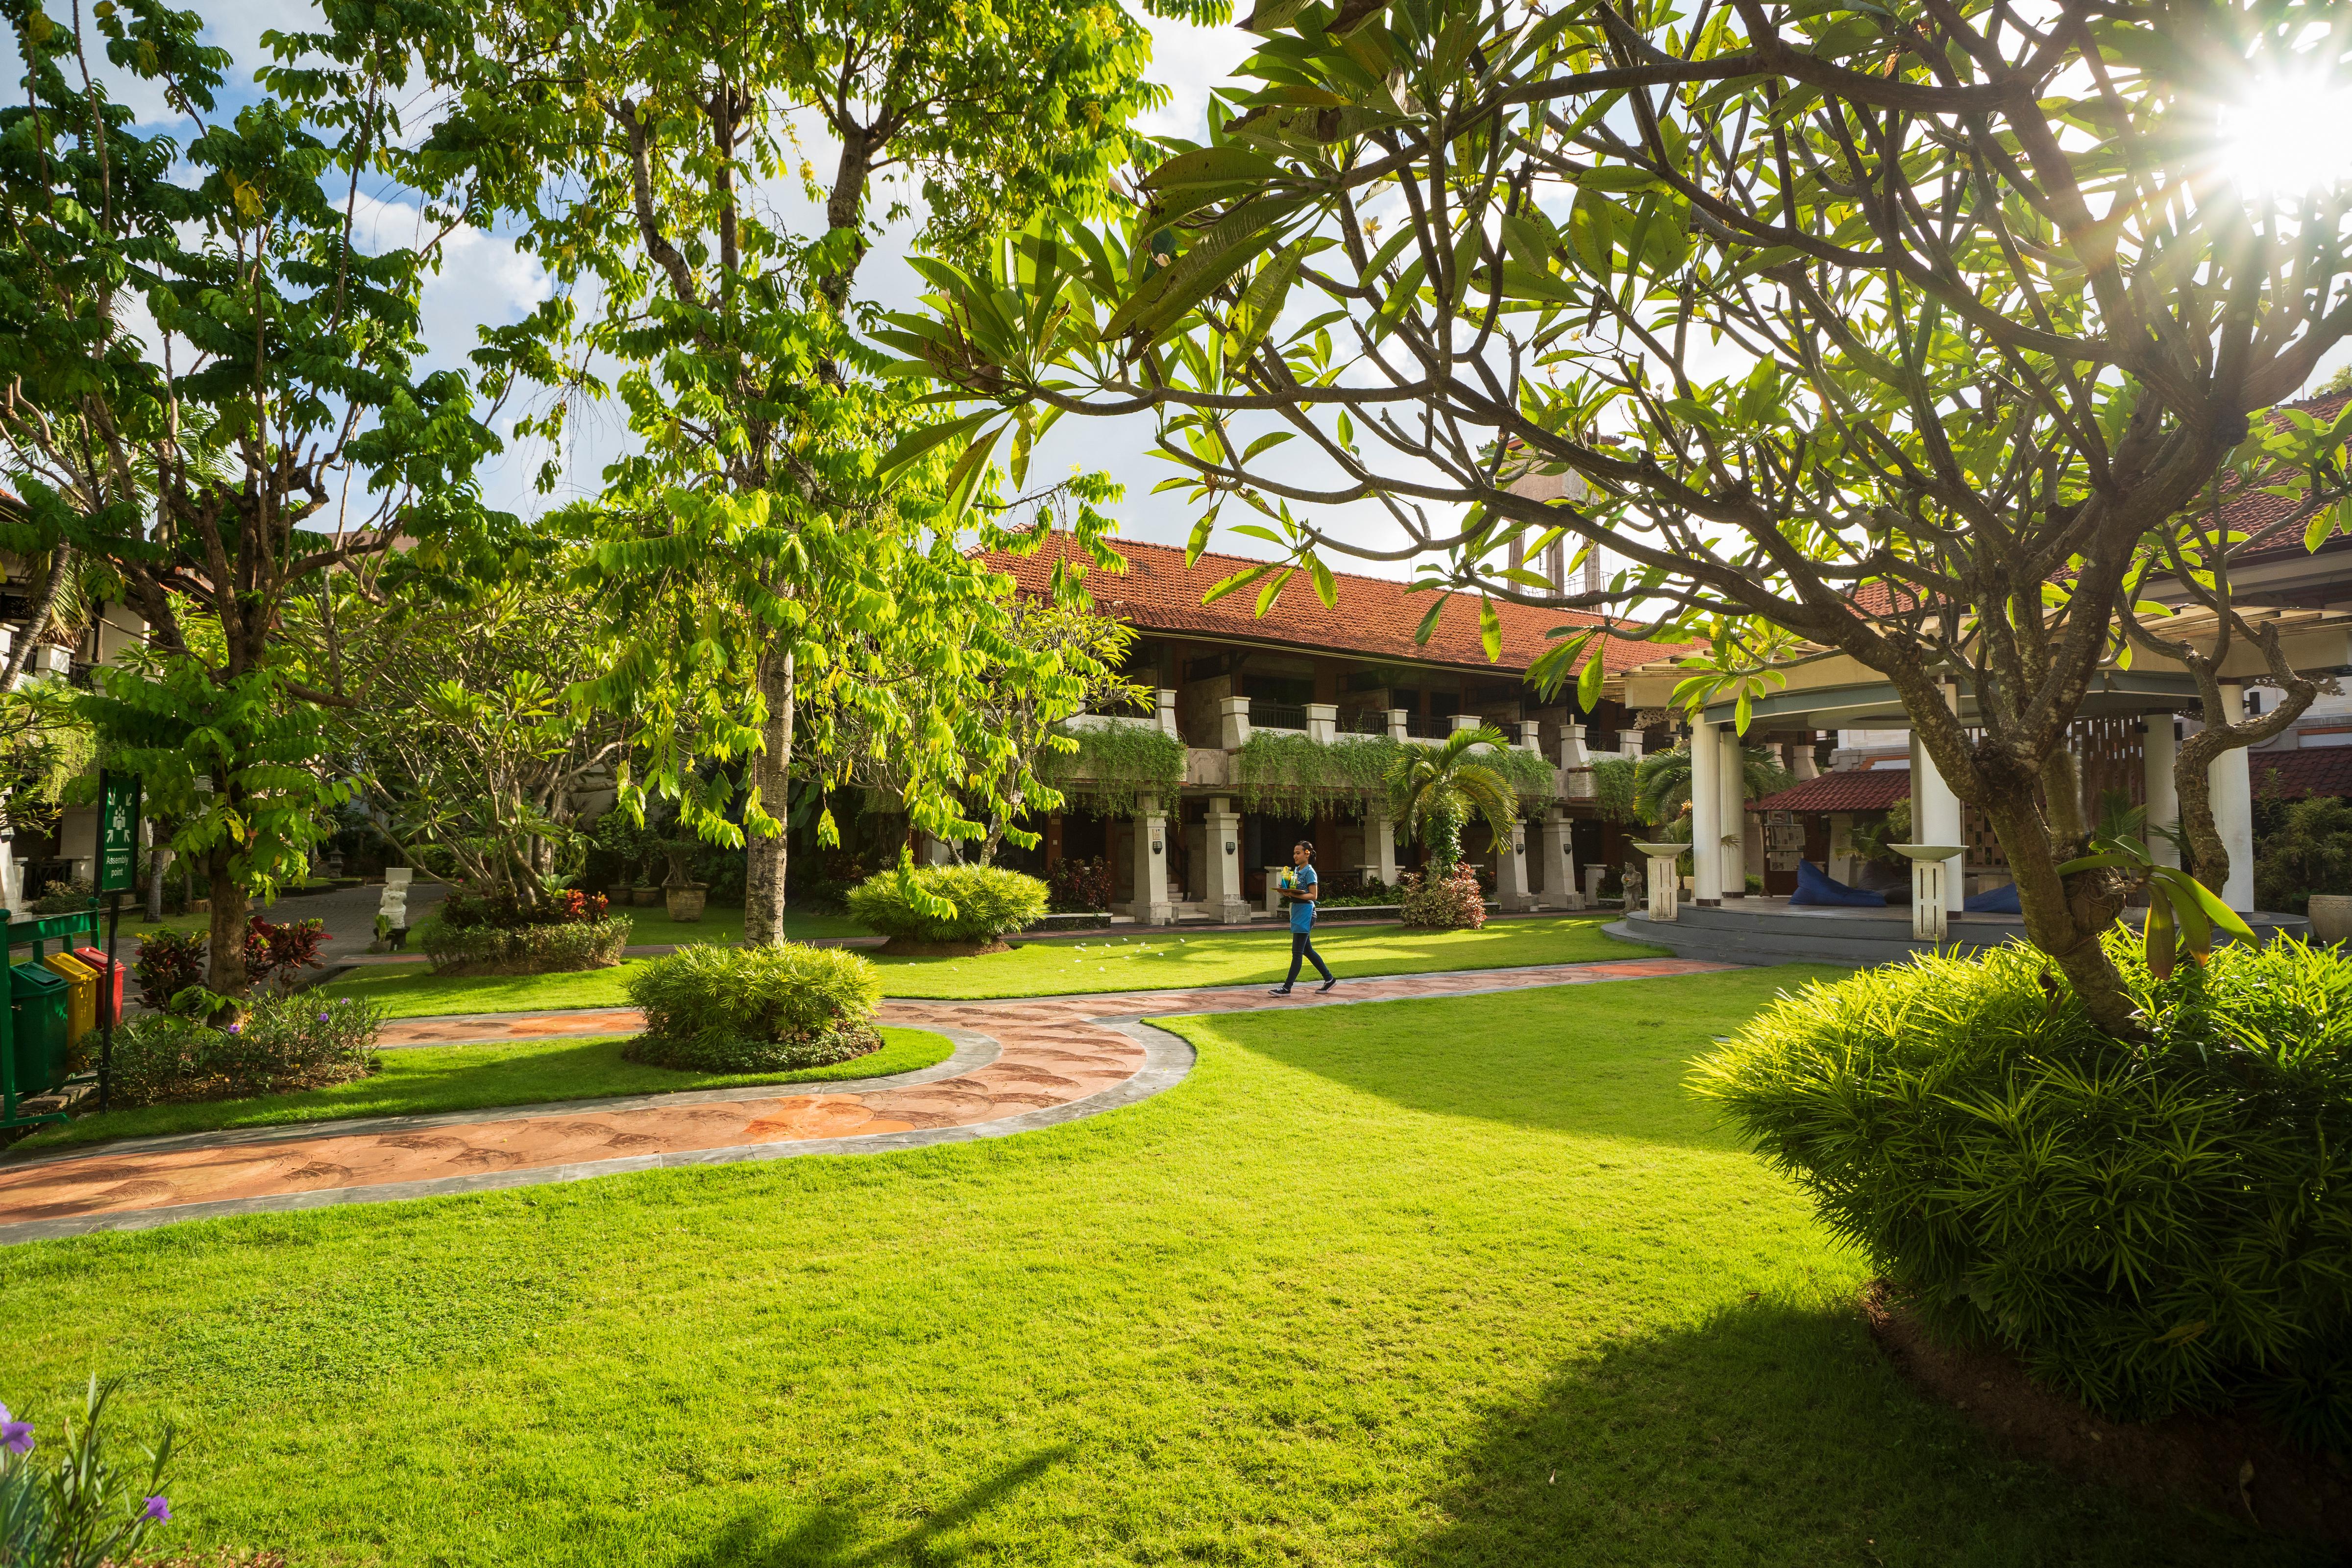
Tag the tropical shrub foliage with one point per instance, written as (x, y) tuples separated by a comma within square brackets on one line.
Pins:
[(283, 1044), (1080, 884), (1292, 774), (1445, 898), (169, 963), (522, 950), (984, 902), (755, 1009), (2155, 1225), (2301, 848)]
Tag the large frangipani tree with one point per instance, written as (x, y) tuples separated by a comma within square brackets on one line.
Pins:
[(1895, 331), (275, 424), (748, 548)]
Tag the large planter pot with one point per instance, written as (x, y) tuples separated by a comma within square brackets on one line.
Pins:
[(645, 897), (685, 903), (2331, 917)]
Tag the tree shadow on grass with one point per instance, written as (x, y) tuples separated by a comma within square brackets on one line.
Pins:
[(831, 1537), (1599, 1060), (1775, 1433)]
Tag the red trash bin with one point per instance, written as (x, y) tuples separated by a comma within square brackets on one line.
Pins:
[(109, 982)]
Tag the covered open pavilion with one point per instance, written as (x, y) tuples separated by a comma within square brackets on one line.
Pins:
[(1829, 692)]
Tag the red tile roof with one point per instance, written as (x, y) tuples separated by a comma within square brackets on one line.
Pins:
[(2306, 771), (1375, 616), (2268, 520), (1863, 789)]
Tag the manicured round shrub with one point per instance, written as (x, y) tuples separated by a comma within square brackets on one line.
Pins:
[(2155, 1225), (986, 902), (755, 1009), (499, 933)]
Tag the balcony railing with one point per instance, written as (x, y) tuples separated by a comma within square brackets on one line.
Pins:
[(1276, 716), (1364, 722), (1428, 728)]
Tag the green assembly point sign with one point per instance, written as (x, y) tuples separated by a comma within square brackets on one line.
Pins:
[(118, 832)]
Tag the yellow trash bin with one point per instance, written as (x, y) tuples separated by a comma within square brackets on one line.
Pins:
[(81, 1003)]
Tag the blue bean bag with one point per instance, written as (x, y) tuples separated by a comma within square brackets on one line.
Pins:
[(2001, 900), (1815, 886)]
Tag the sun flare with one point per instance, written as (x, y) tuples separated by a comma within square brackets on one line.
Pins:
[(2290, 136)]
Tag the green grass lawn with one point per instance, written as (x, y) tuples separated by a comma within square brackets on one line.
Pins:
[(469, 1078), (1454, 1283), (724, 923), (1101, 961)]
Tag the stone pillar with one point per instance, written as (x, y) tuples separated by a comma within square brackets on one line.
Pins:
[(2159, 748), (1223, 893), (1274, 904), (1150, 906), (1462, 721), (2229, 779), (1593, 876), (1572, 747), (1935, 819), (1558, 846), (1511, 889), (1733, 823), (1531, 735), (1664, 889), (1707, 813), (1166, 710), (1233, 723), (1379, 845), (1322, 722), (1803, 766)]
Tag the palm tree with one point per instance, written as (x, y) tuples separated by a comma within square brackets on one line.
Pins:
[(1434, 791), (1662, 787)]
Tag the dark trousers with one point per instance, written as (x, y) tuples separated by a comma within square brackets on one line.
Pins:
[(1302, 947)]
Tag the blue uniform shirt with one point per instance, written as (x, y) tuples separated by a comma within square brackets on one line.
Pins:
[(1302, 911)]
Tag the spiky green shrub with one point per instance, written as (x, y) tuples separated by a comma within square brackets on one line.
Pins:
[(988, 900), (755, 1009), (2155, 1225)]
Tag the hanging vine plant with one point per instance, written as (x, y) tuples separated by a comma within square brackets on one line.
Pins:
[(1291, 774), (1113, 767), (1612, 788)]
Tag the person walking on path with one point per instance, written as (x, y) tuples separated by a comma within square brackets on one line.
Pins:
[(1302, 890)]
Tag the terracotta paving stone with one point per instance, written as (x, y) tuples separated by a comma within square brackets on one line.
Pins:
[(1052, 1051)]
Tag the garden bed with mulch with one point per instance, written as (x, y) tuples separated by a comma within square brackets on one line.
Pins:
[(2231, 1467)]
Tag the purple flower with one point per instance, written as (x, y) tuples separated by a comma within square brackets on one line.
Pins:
[(157, 1511), (322, 1018), (236, 1029), (14, 1435)]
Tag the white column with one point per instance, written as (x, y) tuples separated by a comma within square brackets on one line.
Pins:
[(1461, 722), (1664, 889), (1733, 823), (1151, 906), (1379, 845), (1936, 818), (2159, 748), (1557, 843), (1233, 725), (1223, 893), (1397, 716), (1165, 708), (1804, 765), (1572, 747), (1511, 871), (1531, 735), (1706, 813), (2229, 779), (1322, 722)]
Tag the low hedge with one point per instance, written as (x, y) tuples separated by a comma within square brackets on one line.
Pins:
[(522, 950), (284, 1044), (755, 1009), (988, 903), (1441, 903), (2155, 1225)]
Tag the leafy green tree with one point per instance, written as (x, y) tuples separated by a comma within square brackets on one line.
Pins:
[(760, 570), (1434, 791), (282, 390), (1662, 781), (1892, 332)]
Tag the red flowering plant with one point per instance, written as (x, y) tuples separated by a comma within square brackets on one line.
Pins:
[(280, 953)]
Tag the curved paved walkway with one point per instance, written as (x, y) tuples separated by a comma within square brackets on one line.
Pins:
[(1019, 1064)]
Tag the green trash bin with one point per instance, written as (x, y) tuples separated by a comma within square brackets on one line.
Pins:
[(38, 999)]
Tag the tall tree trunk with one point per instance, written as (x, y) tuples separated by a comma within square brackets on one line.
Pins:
[(770, 773), (158, 862), (2065, 916), (230, 913), (21, 654)]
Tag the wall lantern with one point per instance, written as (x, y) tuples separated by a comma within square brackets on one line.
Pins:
[(1229, 845), (1155, 846)]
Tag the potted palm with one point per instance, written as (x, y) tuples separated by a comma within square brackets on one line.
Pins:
[(680, 891)]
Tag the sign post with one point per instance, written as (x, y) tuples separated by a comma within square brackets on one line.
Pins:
[(118, 873)]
